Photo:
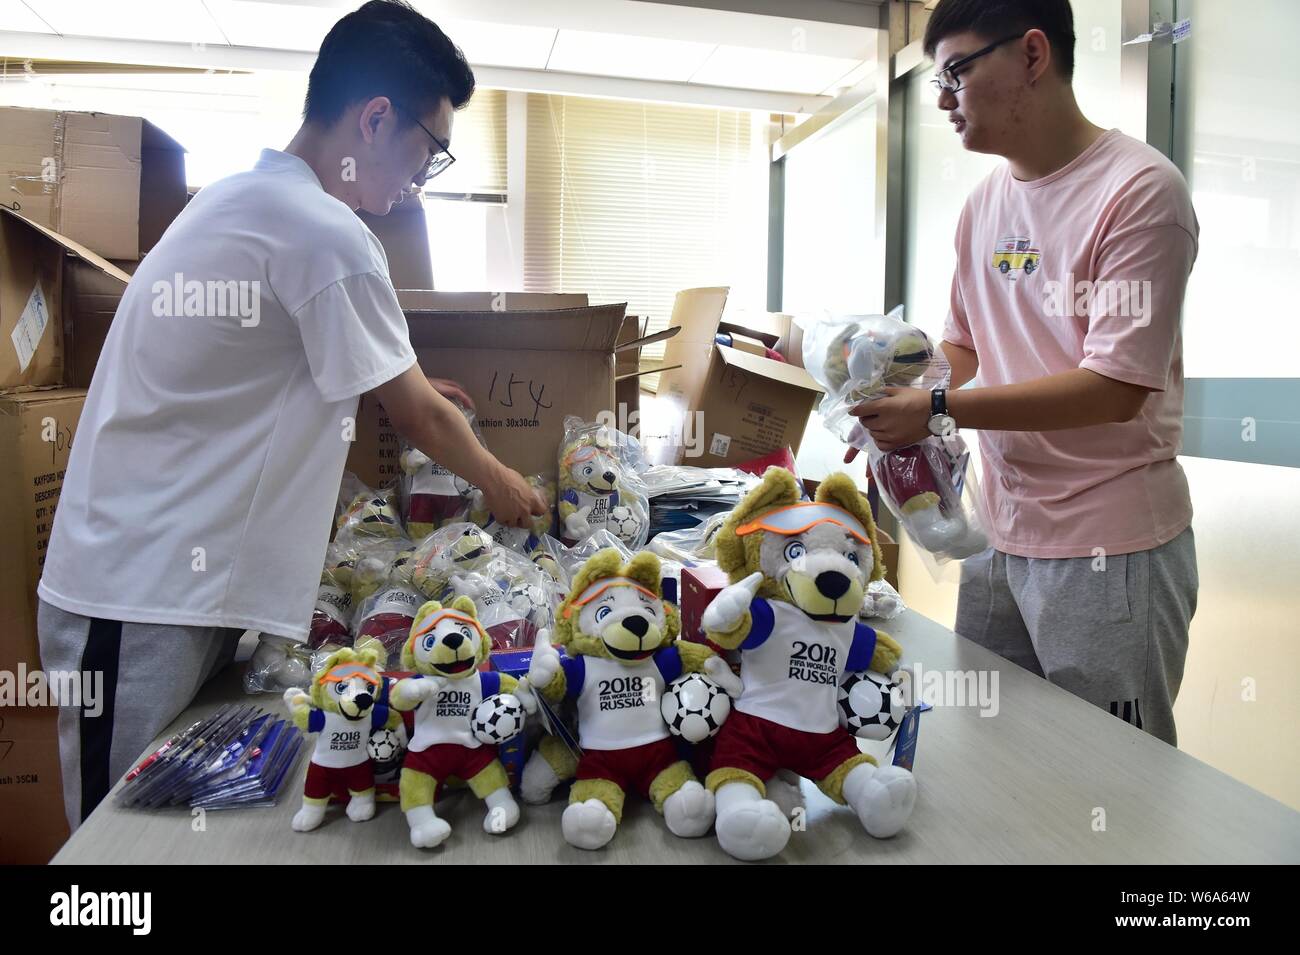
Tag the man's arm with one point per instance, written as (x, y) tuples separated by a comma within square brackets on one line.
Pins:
[(437, 427), (963, 362)]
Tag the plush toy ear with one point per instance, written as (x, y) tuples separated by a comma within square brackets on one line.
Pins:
[(646, 570), (466, 606), (602, 564), (840, 489), (777, 489), (372, 653)]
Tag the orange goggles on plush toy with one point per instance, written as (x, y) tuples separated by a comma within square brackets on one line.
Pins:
[(797, 518), (440, 616), (350, 671), (595, 590)]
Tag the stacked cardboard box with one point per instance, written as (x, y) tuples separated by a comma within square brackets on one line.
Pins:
[(72, 183)]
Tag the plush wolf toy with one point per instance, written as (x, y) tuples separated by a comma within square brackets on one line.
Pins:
[(445, 648), (348, 701), (798, 574), (621, 639)]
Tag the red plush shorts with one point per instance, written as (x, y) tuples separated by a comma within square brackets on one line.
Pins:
[(762, 747), (633, 769), (450, 759), (324, 781)]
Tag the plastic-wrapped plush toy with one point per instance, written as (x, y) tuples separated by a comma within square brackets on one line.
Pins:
[(387, 598), (347, 703), (621, 638), (523, 540), (331, 619), (856, 358), (798, 572), (599, 485), (462, 714), (367, 513)]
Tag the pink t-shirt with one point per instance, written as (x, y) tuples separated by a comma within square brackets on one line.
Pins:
[(1084, 268)]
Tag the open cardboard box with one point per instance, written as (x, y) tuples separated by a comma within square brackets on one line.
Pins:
[(526, 359), (47, 282), (734, 405)]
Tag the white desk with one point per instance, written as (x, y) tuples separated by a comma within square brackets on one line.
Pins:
[(1018, 787)]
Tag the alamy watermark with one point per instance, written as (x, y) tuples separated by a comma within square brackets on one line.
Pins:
[(212, 298), (38, 688), (1088, 299)]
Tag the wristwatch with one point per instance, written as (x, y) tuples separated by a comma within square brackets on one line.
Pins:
[(941, 423)]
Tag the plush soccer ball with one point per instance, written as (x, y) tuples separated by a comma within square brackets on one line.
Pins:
[(871, 705), (386, 748), (694, 707), (623, 524), (498, 718)]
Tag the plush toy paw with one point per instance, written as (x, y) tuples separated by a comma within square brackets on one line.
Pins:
[(576, 525), (717, 670), (308, 818), (544, 665), (588, 825), (882, 796), (361, 808), (527, 698), (689, 812), (295, 697), (750, 827), (427, 830), (729, 606), (502, 814), (538, 781)]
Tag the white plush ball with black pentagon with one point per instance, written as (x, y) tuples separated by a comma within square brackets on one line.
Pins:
[(386, 748), (498, 718), (871, 705), (623, 523), (694, 707)]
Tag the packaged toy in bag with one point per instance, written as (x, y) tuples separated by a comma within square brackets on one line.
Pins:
[(600, 484)]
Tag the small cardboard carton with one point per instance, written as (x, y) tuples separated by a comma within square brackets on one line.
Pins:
[(404, 234)]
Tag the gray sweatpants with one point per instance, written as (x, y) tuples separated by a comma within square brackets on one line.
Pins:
[(1112, 632), (150, 673)]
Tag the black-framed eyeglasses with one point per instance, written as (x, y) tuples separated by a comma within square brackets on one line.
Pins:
[(441, 159), (947, 81)]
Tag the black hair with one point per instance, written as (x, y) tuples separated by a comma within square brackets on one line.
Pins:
[(993, 19), (386, 48)]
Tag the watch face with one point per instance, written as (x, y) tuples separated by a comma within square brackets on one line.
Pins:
[(942, 424)]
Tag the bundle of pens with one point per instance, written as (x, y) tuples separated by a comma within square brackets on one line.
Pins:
[(239, 756)]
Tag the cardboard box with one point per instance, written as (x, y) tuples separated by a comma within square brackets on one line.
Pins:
[(699, 586), (404, 234), (630, 370), (90, 300), (36, 433), (111, 183), (527, 363), (33, 304), (751, 405)]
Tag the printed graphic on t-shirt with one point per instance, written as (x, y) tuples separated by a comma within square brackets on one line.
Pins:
[(813, 662), (453, 703), (1016, 253), (624, 692)]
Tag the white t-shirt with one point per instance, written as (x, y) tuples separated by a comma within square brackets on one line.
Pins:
[(340, 742), (446, 716), (791, 665), (208, 456), (618, 703)]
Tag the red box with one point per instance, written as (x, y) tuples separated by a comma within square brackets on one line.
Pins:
[(699, 586)]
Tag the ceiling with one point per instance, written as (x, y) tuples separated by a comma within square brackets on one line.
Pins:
[(558, 45)]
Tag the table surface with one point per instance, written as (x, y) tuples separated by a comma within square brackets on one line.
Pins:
[(1048, 779)]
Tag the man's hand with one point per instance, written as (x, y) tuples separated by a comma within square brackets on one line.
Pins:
[(452, 391), (510, 499), (898, 419)]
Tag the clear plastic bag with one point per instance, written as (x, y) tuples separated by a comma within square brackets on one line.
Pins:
[(928, 486), (881, 601), (691, 544), (366, 513), (331, 618), (277, 663), (600, 485), (522, 540), (572, 558)]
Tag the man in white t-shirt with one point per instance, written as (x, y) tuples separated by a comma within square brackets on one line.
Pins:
[(198, 496)]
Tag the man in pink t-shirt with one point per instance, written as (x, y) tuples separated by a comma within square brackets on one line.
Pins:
[(1072, 260)]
